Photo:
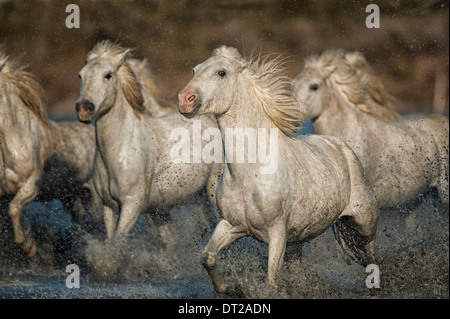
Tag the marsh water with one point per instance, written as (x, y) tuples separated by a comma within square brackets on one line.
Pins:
[(412, 254)]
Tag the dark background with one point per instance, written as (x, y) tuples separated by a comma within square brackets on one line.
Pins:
[(409, 51)]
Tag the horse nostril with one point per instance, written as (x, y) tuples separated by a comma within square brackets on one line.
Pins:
[(89, 107), (85, 105), (191, 98)]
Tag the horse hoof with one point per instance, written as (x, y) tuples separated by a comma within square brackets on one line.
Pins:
[(32, 252)]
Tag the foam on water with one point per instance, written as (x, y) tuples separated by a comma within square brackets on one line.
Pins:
[(412, 253)]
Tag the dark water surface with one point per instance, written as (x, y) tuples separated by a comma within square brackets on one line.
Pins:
[(412, 255)]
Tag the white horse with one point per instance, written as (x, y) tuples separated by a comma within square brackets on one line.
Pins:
[(403, 157), (134, 170), (318, 180), (30, 145)]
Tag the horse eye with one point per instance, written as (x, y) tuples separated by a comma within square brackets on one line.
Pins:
[(221, 73), (108, 76), (314, 87)]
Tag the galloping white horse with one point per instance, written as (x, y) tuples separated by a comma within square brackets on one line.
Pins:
[(403, 157), (318, 180), (133, 168), (30, 144)]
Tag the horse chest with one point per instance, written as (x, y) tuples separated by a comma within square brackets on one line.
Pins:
[(247, 207), (11, 185)]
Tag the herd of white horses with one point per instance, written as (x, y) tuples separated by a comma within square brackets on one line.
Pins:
[(364, 156)]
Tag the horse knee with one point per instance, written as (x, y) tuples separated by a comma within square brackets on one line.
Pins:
[(14, 211), (208, 259)]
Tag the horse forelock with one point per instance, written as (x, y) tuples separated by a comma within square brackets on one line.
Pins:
[(231, 54), (275, 92), (109, 50), (25, 84), (323, 62)]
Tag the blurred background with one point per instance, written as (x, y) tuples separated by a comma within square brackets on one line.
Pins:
[(410, 50)]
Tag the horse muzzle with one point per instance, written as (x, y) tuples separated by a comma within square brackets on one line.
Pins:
[(188, 104), (85, 111)]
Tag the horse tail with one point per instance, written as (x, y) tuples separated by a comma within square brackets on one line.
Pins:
[(352, 243), (355, 230)]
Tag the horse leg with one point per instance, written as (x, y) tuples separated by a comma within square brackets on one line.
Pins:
[(167, 230), (96, 207), (277, 248), (110, 217), (211, 188), (223, 235), (78, 211), (26, 194), (130, 211)]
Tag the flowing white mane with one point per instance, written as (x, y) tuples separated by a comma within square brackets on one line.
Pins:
[(271, 87), (25, 84), (353, 78)]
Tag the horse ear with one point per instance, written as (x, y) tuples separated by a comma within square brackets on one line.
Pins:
[(120, 58), (230, 53), (227, 52)]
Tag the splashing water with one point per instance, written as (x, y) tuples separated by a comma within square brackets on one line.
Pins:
[(412, 253)]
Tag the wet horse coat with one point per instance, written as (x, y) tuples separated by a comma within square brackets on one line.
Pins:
[(133, 168), (318, 181), (31, 144), (403, 157)]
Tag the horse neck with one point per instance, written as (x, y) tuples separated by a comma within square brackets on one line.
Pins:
[(340, 118), (245, 113), (152, 105), (109, 127)]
